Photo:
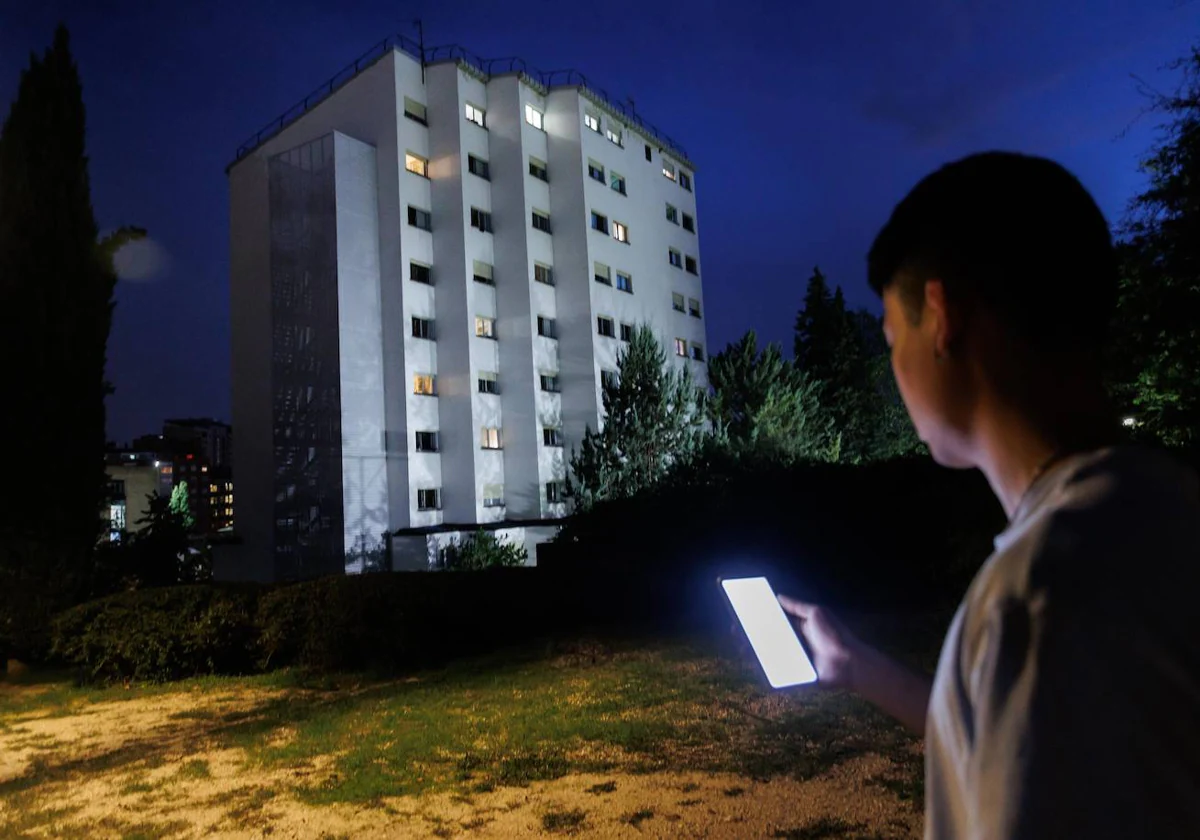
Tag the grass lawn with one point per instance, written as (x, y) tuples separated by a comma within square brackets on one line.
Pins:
[(665, 738)]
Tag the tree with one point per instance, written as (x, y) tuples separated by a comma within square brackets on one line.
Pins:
[(179, 506), (652, 421), (56, 281), (483, 550), (1154, 365), (762, 404)]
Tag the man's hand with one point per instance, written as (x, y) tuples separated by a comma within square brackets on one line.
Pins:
[(833, 647)]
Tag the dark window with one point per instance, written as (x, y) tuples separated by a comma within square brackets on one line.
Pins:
[(647, 151), (552, 436), (685, 180), (543, 274), (694, 307), (538, 170), (689, 224), (547, 327), (674, 258), (489, 385), (419, 218), (604, 326), (429, 499), (414, 110), (689, 264), (599, 222), (608, 378), (427, 441), (556, 492), (627, 332), (697, 352), (549, 383), (483, 273), (541, 221), (596, 172), (420, 273), (624, 283), (422, 328), (478, 166), (617, 182), (481, 219)]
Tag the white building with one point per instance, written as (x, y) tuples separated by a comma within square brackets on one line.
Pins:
[(432, 267)]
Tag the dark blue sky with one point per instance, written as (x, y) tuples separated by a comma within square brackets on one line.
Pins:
[(807, 122)]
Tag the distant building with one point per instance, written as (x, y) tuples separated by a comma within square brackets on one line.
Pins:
[(134, 476)]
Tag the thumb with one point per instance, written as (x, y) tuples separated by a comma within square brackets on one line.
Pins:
[(800, 609)]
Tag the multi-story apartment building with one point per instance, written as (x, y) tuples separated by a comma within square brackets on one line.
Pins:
[(436, 261)]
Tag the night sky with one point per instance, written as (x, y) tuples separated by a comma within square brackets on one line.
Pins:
[(807, 122)]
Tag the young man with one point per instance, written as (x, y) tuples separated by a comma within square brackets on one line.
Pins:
[(1067, 699)]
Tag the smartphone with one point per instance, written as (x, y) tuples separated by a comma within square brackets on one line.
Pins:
[(774, 640)]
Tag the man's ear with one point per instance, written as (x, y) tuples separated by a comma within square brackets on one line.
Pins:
[(942, 319)]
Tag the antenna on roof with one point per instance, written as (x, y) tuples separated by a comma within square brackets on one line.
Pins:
[(421, 45)]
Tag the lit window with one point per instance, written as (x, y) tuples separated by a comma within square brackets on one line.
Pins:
[(685, 180), (429, 499), (420, 273), (485, 327), (681, 347), (689, 264), (698, 352), (534, 117), (669, 169), (549, 383), (694, 307), (489, 383), (672, 214), (476, 115), (617, 182), (627, 332), (595, 171), (481, 219), (674, 258), (547, 327), (604, 326), (424, 384), (689, 223), (592, 121), (543, 274), (552, 436), (493, 495), (483, 273), (620, 232), (427, 441), (419, 218), (478, 166), (541, 221), (599, 222), (624, 283), (613, 134), (677, 301), (489, 437), (414, 110), (603, 274), (416, 164), (422, 328), (537, 168), (556, 492)]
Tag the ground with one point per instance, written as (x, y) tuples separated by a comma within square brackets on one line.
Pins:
[(637, 739)]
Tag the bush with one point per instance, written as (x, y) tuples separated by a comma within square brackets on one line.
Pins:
[(483, 550), (159, 634)]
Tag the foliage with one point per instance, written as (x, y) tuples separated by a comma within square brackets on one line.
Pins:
[(159, 553), (652, 421), (159, 634), (482, 550), (1155, 359), (179, 507)]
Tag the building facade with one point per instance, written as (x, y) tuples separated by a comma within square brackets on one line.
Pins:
[(433, 269)]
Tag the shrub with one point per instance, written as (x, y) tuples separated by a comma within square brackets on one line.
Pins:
[(159, 634), (483, 550)]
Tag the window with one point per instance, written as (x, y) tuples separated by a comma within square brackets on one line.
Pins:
[(422, 328), (620, 232), (534, 117), (603, 274), (613, 133), (685, 180), (429, 499), (668, 170), (547, 327), (677, 302), (689, 223), (627, 332), (537, 168), (608, 379), (425, 384), (648, 151), (674, 258), (420, 272), (552, 436), (419, 218), (599, 222), (483, 273), (592, 121), (694, 307), (481, 219), (595, 171), (681, 347), (624, 282), (485, 327), (489, 437), (414, 110), (698, 352), (489, 383), (416, 164), (672, 214), (689, 264), (604, 326), (476, 115), (556, 492), (478, 166), (493, 495), (550, 383), (541, 221), (617, 182), (427, 441), (543, 274)]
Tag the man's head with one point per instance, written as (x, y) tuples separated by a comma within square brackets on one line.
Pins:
[(995, 271)]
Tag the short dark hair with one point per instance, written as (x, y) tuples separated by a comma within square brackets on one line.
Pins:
[(1013, 234)]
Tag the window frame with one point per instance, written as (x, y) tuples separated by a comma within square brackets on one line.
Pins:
[(678, 302), (625, 332), (429, 436), (681, 347), (552, 436), (415, 214), (675, 257), (615, 179), (431, 378), (540, 220), (475, 163), (691, 265), (685, 180), (601, 321), (488, 279), (422, 164), (422, 117), (423, 494), (553, 379), (481, 220), (604, 279), (487, 376), (603, 226), (547, 272), (540, 123), (620, 232), (592, 121), (558, 495), (490, 438), (694, 308), (537, 165), (423, 328), (470, 117), (488, 325), (494, 498), (547, 327), (689, 223), (697, 352), (628, 285), (596, 170), (425, 267), (672, 213)]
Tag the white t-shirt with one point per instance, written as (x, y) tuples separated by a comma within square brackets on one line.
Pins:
[(1067, 696)]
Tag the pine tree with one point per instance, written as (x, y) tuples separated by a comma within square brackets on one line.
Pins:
[(652, 421)]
